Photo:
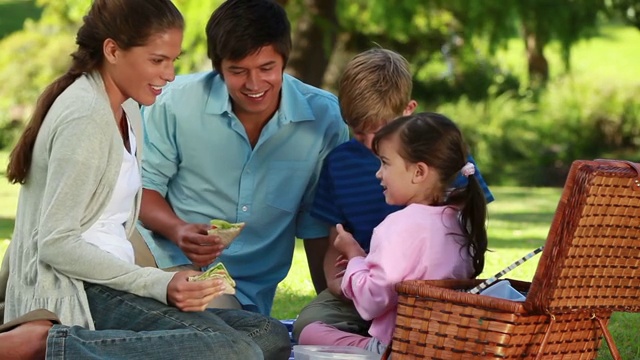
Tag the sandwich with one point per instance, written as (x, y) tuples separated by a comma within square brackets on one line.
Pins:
[(226, 231), (218, 271)]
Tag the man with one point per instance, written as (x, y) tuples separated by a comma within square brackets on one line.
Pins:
[(244, 143)]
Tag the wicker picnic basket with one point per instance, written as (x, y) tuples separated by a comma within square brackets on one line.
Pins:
[(590, 267)]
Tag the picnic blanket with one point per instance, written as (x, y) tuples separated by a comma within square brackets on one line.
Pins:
[(289, 324)]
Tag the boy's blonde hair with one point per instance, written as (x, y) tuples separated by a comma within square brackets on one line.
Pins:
[(375, 88)]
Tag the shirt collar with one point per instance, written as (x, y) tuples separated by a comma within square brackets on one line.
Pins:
[(294, 106), (218, 101)]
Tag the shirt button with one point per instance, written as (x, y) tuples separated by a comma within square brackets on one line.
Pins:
[(245, 208)]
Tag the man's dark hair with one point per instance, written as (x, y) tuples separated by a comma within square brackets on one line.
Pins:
[(239, 28)]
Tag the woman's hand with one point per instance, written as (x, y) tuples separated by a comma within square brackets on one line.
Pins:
[(347, 245), (192, 295)]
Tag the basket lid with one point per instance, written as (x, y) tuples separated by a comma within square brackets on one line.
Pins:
[(591, 258)]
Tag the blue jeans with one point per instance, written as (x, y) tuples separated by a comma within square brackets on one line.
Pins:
[(132, 327)]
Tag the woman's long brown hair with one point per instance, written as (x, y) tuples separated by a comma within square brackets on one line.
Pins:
[(129, 23)]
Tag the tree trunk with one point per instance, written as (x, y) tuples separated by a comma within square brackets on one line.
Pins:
[(538, 65), (339, 58), (313, 41)]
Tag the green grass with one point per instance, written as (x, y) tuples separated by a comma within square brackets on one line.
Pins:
[(14, 12)]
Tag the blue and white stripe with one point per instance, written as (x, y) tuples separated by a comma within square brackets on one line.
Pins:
[(497, 276)]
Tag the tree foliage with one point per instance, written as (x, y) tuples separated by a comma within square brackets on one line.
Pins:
[(32, 57), (421, 28), (628, 10), (460, 33), (194, 43)]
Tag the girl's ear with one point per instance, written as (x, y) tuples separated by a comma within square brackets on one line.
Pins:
[(420, 173)]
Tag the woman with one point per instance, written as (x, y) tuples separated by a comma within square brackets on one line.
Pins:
[(77, 163)]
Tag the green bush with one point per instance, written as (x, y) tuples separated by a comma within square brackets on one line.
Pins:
[(9, 131), (476, 82), (588, 120), (532, 140)]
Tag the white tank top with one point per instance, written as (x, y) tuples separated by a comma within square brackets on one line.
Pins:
[(108, 233)]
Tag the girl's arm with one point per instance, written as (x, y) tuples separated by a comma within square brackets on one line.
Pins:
[(369, 281)]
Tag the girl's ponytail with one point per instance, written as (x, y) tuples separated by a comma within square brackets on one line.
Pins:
[(473, 216)]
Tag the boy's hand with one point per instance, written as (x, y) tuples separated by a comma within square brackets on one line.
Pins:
[(329, 264), (341, 265), (200, 247), (335, 285), (192, 295), (346, 244)]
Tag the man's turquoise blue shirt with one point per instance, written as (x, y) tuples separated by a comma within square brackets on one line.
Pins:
[(197, 155)]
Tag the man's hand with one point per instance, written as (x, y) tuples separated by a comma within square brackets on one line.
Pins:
[(346, 244), (192, 295), (200, 247), (157, 215)]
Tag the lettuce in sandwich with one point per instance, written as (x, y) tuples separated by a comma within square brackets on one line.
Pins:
[(225, 230), (218, 271)]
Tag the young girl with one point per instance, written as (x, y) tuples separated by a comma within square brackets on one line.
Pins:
[(440, 234)]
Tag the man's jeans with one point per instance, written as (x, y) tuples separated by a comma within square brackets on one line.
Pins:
[(133, 327)]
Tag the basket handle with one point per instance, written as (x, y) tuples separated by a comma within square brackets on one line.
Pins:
[(483, 285)]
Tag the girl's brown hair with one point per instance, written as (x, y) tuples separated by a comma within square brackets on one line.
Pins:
[(129, 23), (436, 141)]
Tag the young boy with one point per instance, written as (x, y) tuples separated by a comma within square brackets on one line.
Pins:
[(374, 89)]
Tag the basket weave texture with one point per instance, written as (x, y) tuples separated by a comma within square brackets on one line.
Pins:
[(590, 267)]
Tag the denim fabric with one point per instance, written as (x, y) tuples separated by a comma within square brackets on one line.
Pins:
[(133, 327), (270, 334)]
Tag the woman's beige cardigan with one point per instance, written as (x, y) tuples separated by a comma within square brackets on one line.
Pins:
[(76, 162)]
